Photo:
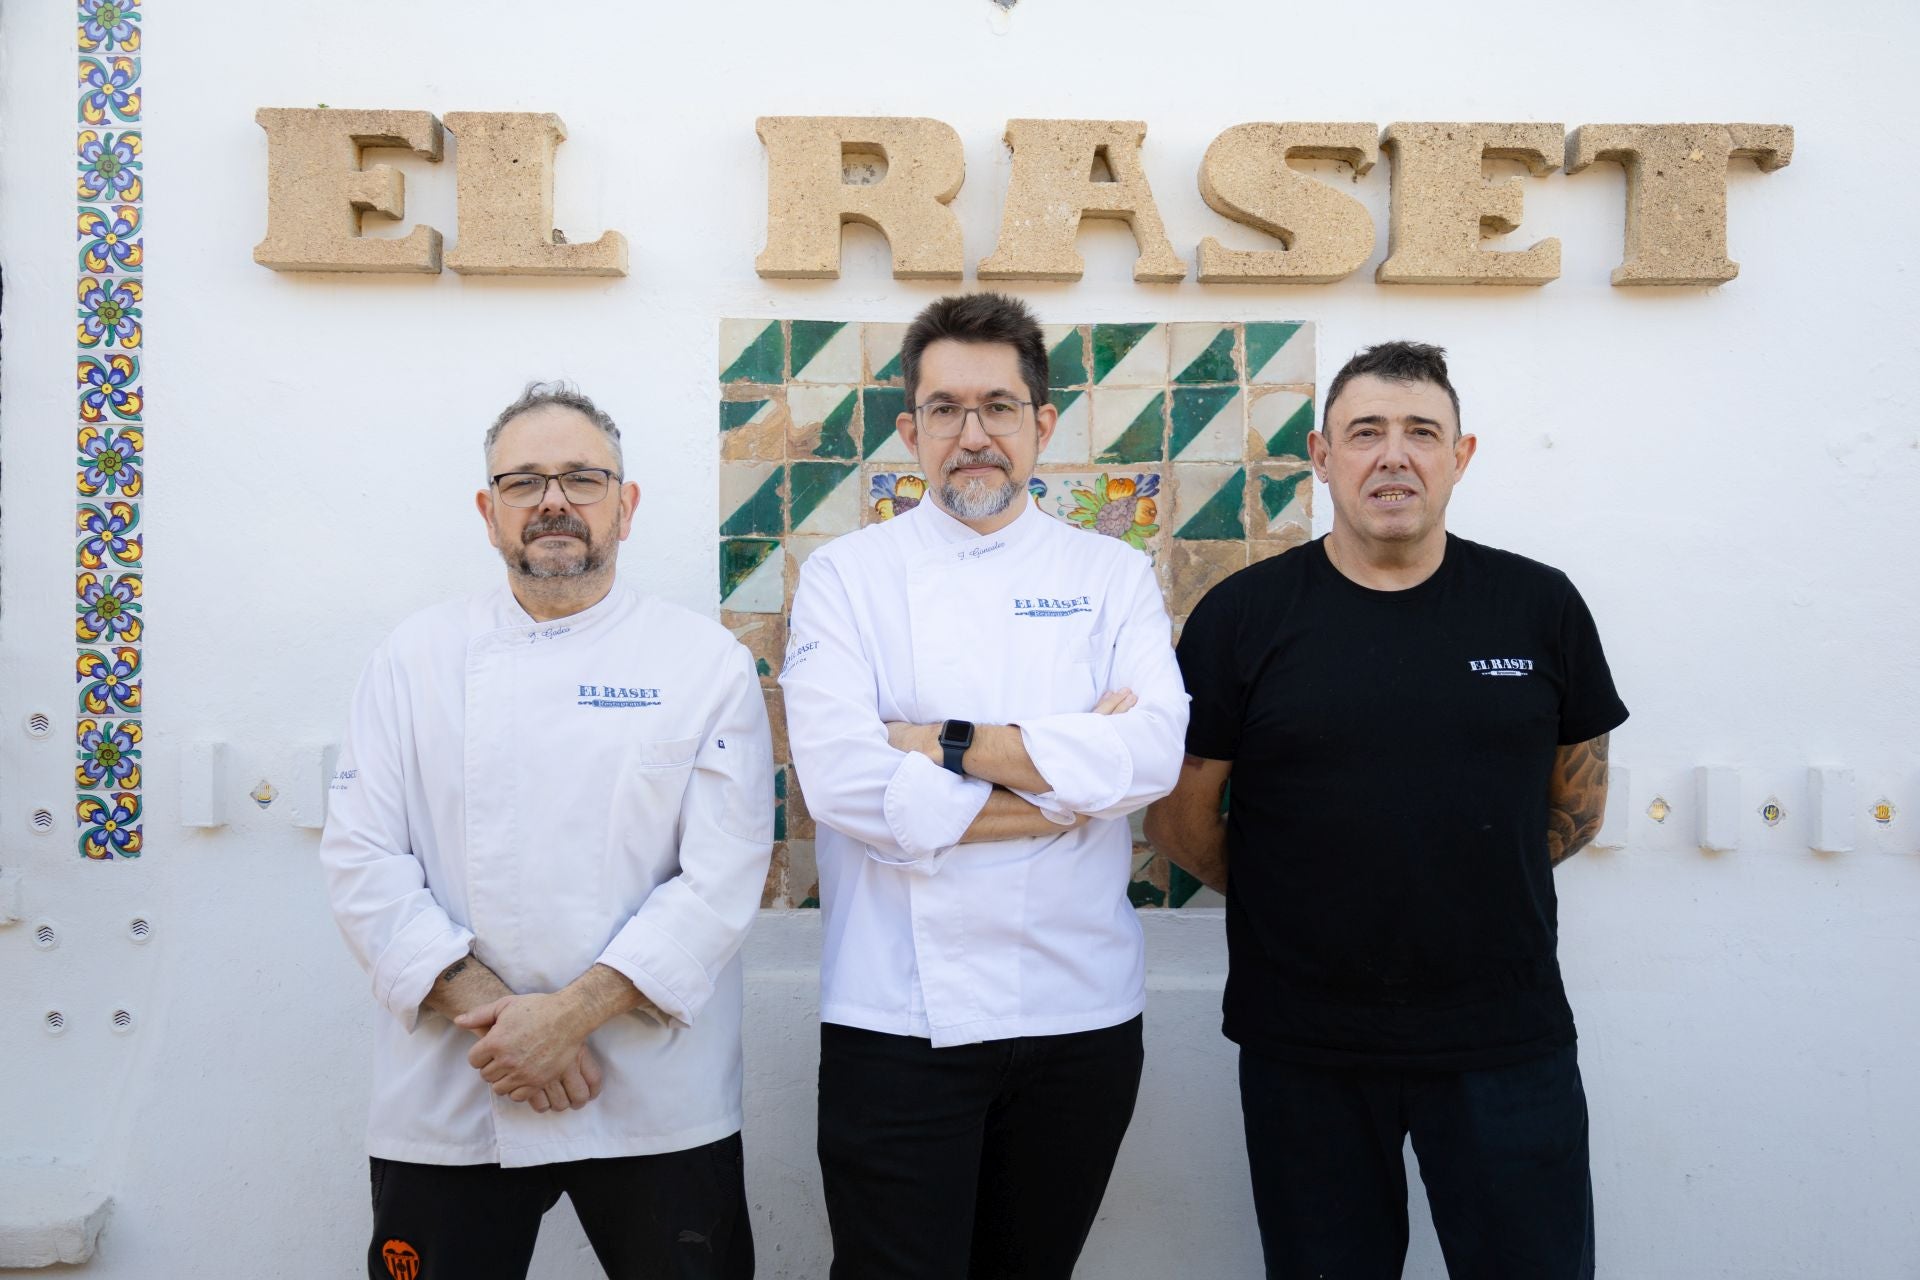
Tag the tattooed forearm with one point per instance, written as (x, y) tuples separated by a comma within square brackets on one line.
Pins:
[(1576, 797), (453, 970)]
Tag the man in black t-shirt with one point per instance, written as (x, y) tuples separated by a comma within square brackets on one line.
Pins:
[(1415, 727)]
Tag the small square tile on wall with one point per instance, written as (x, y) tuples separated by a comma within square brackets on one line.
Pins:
[(1208, 501), (1278, 423), (753, 351), (1072, 440), (753, 574), (824, 498), (881, 342), (824, 421), (824, 351), (880, 410), (753, 425), (887, 492), (1204, 353), (1130, 355), (751, 498), (1280, 352), (1279, 499), (1129, 424), (1209, 424)]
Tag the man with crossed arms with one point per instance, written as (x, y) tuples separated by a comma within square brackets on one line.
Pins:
[(977, 696)]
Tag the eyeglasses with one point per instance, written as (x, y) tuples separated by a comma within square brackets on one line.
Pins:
[(582, 488), (944, 419)]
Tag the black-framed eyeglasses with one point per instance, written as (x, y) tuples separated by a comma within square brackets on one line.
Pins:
[(582, 488), (946, 419)]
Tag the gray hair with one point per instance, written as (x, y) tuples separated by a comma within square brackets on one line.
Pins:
[(561, 394)]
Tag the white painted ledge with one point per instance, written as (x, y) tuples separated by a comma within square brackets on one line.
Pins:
[(49, 1214)]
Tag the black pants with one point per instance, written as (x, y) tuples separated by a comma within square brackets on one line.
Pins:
[(1503, 1154), (981, 1160), (681, 1214)]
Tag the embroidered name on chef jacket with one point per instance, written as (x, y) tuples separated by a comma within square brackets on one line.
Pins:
[(1045, 607), (617, 695), (1500, 666)]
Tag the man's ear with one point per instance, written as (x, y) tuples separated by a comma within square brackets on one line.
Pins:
[(1046, 418), (483, 501), (1317, 447), (629, 499)]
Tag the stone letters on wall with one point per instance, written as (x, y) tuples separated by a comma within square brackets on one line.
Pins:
[(1443, 205)]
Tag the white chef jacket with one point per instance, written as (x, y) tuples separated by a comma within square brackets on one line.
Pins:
[(597, 788), (920, 619)]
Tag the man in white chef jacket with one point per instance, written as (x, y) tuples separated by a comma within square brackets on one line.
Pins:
[(977, 695), (545, 841)]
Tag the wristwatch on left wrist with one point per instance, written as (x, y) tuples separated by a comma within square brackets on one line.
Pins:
[(955, 737)]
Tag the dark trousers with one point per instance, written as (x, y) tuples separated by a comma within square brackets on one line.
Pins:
[(680, 1214), (1502, 1151), (978, 1161)]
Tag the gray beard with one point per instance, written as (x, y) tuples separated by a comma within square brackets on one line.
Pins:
[(521, 561), (976, 499)]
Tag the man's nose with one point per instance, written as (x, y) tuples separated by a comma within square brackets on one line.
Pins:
[(553, 498), (973, 431), (1394, 453)]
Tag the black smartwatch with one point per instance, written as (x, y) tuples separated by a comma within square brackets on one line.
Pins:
[(955, 737)]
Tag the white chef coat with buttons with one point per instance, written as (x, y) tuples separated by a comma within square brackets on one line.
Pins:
[(920, 619), (552, 795)]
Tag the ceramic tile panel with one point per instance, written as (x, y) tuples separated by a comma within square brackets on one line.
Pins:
[(110, 431), (1185, 440)]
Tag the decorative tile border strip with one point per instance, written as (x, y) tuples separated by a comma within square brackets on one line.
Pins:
[(1186, 440), (110, 484)]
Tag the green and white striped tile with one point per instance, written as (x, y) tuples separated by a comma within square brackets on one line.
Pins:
[(1072, 440), (825, 498), (753, 575), (880, 441), (881, 343), (753, 428), (1208, 501), (751, 499), (1278, 422), (1129, 424), (824, 421), (1204, 352), (1209, 425), (1280, 352), (1282, 505), (1130, 355), (752, 351), (1066, 354), (825, 351)]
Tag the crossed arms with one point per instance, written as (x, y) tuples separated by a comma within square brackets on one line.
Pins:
[(1190, 828)]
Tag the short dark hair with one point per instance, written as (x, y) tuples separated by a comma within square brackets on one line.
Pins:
[(1397, 362), (983, 318), (564, 395)]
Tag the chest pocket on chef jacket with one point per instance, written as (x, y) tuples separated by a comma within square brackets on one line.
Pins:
[(1077, 677), (653, 782)]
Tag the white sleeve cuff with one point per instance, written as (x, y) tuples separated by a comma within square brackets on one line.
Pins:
[(1083, 756), (928, 808), (414, 961)]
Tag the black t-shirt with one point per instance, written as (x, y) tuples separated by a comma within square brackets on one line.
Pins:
[(1390, 898)]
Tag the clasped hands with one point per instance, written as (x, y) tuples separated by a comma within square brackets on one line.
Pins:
[(533, 1049)]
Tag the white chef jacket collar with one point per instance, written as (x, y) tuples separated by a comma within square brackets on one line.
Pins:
[(941, 528), (505, 615)]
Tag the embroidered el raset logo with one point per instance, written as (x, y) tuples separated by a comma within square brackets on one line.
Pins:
[(617, 695), (1500, 666)]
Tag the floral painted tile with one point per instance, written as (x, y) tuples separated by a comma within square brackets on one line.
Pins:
[(110, 825), (108, 26), (108, 754), (752, 351), (1280, 353), (1118, 504), (110, 165), (109, 90), (1204, 352), (891, 493), (111, 461), (107, 608), (109, 312), (825, 351), (1129, 424), (825, 422)]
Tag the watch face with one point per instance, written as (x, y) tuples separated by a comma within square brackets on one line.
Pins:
[(956, 733)]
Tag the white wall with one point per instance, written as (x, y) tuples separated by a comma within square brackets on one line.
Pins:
[(1727, 473)]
